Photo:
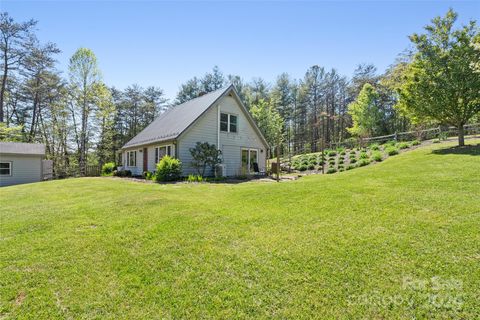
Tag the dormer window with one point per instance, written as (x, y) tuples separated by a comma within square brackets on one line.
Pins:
[(228, 122)]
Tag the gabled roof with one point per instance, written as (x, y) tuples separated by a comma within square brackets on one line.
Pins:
[(173, 122), (22, 148), (170, 124)]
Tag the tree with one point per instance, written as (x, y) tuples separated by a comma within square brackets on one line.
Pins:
[(364, 112), (213, 81), (38, 67), (269, 122), (14, 40), (205, 155), (189, 90), (84, 76), (441, 82)]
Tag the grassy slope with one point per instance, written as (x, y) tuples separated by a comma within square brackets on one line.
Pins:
[(104, 248)]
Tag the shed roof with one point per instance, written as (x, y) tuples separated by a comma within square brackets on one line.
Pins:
[(170, 124), (22, 148)]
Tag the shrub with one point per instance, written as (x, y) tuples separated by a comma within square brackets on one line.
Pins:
[(313, 161), (302, 168), (331, 170), (377, 156), (391, 151), (353, 160), (436, 141), (147, 175), (402, 145), (340, 161), (311, 166), (340, 167), (363, 155), (442, 136), (363, 162), (332, 153), (194, 178), (351, 166), (415, 143), (331, 162), (123, 173), (374, 147), (389, 143), (343, 152), (205, 155), (108, 168), (168, 169)]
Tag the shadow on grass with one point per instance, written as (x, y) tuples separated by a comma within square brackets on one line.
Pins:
[(473, 150)]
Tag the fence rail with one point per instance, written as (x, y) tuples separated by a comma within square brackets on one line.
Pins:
[(426, 134)]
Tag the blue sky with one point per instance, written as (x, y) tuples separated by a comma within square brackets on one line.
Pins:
[(166, 43)]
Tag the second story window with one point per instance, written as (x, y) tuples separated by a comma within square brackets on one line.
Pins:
[(228, 122)]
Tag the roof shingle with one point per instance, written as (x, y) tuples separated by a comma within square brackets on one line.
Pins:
[(170, 124)]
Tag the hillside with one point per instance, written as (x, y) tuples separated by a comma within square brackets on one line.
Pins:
[(396, 240)]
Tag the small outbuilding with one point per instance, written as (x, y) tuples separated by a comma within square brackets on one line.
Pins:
[(21, 163)]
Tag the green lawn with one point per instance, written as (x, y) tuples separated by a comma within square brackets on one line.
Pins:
[(400, 239)]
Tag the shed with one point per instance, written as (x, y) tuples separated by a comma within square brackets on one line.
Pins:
[(21, 163)]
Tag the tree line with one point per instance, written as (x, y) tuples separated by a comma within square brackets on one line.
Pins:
[(83, 121)]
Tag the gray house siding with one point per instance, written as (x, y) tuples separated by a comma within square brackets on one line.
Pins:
[(246, 137), (25, 169), (206, 129), (203, 130)]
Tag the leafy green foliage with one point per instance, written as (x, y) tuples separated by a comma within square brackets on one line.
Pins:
[(444, 58), (331, 170), (108, 168), (403, 145), (363, 162), (391, 150), (363, 155), (365, 113), (168, 169), (194, 178), (205, 155), (269, 121), (377, 156), (415, 143)]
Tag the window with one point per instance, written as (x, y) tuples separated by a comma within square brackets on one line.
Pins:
[(163, 151), (5, 168), (228, 122), (233, 123), (224, 122), (250, 160), (132, 158)]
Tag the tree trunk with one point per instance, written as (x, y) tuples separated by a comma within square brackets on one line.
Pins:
[(4, 84), (461, 135)]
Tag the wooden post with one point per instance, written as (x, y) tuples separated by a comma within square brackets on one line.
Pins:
[(278, 162)]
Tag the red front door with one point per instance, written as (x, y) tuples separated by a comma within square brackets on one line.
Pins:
[(145, 159)]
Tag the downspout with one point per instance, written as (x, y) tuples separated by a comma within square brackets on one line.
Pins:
[(218, 126)]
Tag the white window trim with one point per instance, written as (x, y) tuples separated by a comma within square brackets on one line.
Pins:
[(156, 151), (134, 157), (228, 122), (10, 169), (248, 157)]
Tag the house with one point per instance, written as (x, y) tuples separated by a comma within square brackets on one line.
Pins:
[(219, 118), (21, 163)]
